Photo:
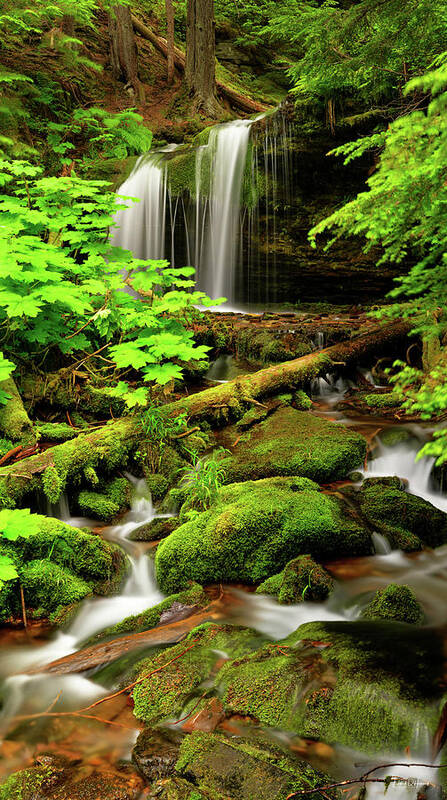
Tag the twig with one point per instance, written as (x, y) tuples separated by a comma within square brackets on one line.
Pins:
[(187, 433), (182, 719)]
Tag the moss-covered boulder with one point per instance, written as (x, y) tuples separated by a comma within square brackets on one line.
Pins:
[(292, 442), (396, 602), (107, 504), (31, 783), (182, 669), (58, 566), (406, 520), (253, 530), (301, 579), (154, 530), (244, 769), (360, 684)]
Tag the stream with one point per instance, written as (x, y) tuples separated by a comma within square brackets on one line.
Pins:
[(425, 572)]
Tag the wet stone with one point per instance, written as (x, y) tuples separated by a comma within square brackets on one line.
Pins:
[(156, 752)]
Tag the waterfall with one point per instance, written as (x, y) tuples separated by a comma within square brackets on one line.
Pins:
[(223, 220), (140, 227)]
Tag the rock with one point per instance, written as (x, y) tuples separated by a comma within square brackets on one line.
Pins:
[(302, 579), (52, 782), (166, 694), (344, 682), (292, 442), (59, 565), (243, 769), (156, 752), (155, 530), (171, 609), (396, 602), (178, 789), (405, 519), (253, 530)]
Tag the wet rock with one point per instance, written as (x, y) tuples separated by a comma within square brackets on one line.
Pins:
[(207, 718), (154, 530), (292, 442), (396, 602), (171, 609), (302, 579), (183, 668), (53, 781), (241, 769), (253, 530), (178, 789), (360, 684), (405, 519), (156, 752)]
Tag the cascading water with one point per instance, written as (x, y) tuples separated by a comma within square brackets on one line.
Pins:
[(225, 223)]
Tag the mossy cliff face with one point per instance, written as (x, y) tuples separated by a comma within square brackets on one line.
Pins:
[(59, 566), (292, 442), (253, 530), (342, 682)]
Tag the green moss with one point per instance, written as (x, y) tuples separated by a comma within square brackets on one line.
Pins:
[(294, 442), (14, 420), (98, 506), (56, 431), (251, 417), (52, 484), (28, 784), (119, 491), (157, 484), (302, 579), (396, 602), (301, 401), (407, 520), (264, 346), (5, 446), (165, 696), (91, 476), (47, 586), (381, 400), (391, 437), (194, 597), (155, 530), (97, 563), (244, 769), (253, 530)]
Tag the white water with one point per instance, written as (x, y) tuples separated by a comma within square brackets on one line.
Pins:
[(35, 692)]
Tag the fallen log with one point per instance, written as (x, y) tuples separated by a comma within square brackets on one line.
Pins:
[(239, 101), (14, 420), (105, 652), (109, 447)]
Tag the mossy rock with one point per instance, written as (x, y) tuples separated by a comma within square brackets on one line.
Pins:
[(381, 400), (106, 505), (179, 789), (301, 579), (360, 684), (154, 530), (391, 437), (180, 606), (73, 561), (48, 586), (157, 484), (264, 346), (253, 530), (244, 769), (292, 442), (405, 519), (195, 658), (396, 602), (31, 784)]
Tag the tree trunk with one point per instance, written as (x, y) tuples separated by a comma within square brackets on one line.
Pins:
[(200, 70), (239, 101), (123, 48), (170, 39)]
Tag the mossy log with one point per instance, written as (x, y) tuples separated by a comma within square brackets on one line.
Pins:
[(239, 101), (111, 446), (14, 420)]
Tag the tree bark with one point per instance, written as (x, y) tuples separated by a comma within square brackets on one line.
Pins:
[(123, 48), (170, 39), (110, 447), (237, 100), (200, 68)]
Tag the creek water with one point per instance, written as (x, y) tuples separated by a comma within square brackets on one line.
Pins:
[(356, 580)]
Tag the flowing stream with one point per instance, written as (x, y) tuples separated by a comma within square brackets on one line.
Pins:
[(425, 572)]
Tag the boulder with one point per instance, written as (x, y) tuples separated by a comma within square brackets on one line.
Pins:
[(301, 579), (397, 602), (253, 530), (292, 442)]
